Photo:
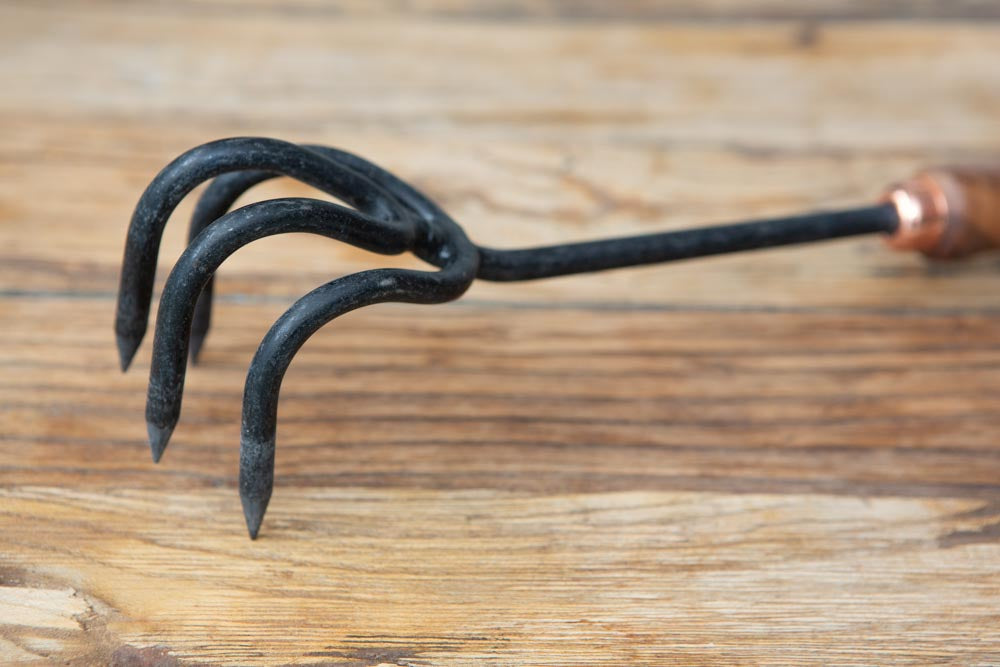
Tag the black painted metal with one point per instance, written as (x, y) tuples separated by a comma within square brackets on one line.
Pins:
[(388, 216)]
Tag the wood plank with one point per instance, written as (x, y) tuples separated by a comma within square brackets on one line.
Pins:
[(443, 470), (640, 11), (848, 86), (376, 577), (786, 457), (611, 401)]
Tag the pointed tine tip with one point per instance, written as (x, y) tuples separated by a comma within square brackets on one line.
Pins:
[(126, 350), (253, 512), (197, 340), (159, 436)]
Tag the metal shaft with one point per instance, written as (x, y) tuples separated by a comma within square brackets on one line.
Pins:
[(561, 260)]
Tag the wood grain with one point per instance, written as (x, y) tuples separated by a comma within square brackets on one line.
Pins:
[(632, 11), (787, 457)]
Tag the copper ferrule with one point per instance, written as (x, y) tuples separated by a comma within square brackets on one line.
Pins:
[(948, 212), (922, 206)]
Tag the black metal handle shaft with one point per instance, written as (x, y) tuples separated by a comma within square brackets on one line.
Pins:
[(561, 260)]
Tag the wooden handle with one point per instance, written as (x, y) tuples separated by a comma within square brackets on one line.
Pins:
[(948, 212)]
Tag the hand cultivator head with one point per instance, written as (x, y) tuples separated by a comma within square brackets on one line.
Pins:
[(386, 216)]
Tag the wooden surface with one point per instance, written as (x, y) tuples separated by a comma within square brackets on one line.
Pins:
[(787, 457)]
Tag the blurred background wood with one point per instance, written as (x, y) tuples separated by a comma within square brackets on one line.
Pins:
[(785, 457)]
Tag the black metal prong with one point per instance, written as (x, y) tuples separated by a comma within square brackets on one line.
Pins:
[(200, 164), (209, 250), (214, 203), (224, 190), (460, 261)]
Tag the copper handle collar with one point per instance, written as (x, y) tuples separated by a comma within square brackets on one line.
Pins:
[(922, 206), (949, 212)]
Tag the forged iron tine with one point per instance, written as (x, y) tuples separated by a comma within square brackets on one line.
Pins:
[(200, 164), (459, 260), (282, 341), (208, 251), (214, 203), (411, 197), (224, 190), (290, 332), (201, 323)]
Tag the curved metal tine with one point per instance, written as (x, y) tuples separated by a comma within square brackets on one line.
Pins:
[(199, 164), (203, 257), (290, 332), (215, 202), (224, 190), (413, 198), (460, 260)]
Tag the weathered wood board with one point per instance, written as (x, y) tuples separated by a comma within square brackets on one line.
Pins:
[(785, 457)]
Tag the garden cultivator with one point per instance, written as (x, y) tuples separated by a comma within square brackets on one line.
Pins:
[(942, 213)]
